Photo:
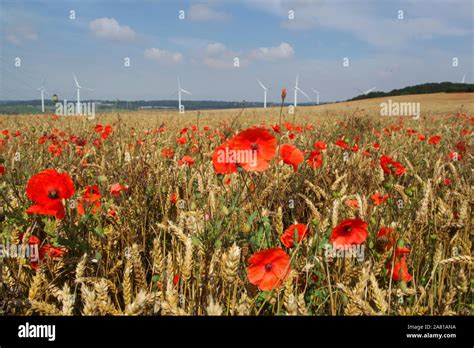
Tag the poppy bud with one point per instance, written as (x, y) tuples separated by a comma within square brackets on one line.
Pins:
[(246, 228), (224, 210), (388, 183), (283, 94)]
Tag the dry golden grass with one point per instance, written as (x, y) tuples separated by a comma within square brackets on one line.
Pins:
[(190, 257)]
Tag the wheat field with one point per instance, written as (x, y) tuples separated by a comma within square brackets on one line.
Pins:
[(152, 229)]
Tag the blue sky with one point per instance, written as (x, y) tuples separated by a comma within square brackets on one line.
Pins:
[(384, 52)]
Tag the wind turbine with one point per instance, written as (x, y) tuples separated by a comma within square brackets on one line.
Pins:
[(297, 89), (78, 87), (370, 90), (366, 92), (42, 89), (317, 96), (265, 89), (179, 94)]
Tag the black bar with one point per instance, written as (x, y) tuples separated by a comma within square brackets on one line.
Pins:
[(243, 330)]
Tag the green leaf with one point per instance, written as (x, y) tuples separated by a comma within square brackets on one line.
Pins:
[(50, 226), (252, 217), (99, 231)]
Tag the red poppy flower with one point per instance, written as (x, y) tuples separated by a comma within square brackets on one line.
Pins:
[(376, 146), (186, 160), (276, 128), (56, 150), (90, 200), (343, 144), (47, 189), (45, 250), (2, 170), (259, 144), (461, 146), (349, 232), (315, 159), (176, 279), (288, 237), (320, 145), (352, 203), (390, 166), (168, 153), (453, 155), (421, 137), (400, 271), (223, 164), (182, 140), (173, 198), (268, 268), (434, 140), (51, 251), (291, 155), (378, 199), (116, 189), (386, 237), (98, 128)]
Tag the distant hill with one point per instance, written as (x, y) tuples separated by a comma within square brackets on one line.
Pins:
[(426, 88), (17, 107)]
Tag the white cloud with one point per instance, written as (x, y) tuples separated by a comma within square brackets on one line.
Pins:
[(163, 56), (283, 51), (19, 34), (215, 48), (217, 55), (364, 20), (205, 13), (110, 29)]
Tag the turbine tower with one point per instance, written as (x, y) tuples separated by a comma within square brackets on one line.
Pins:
[(317, 96), (179, 94), (265, 89), (297, 89), (42, 89), (78, 87)]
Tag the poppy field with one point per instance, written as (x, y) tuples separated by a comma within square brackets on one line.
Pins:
[(325, 211)]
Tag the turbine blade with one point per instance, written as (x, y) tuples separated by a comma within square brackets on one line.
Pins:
[(303, 93), (75, 80), (370, 90), (179, 84), (261, 84), (185, 91), (296, 85), (315, 91)]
